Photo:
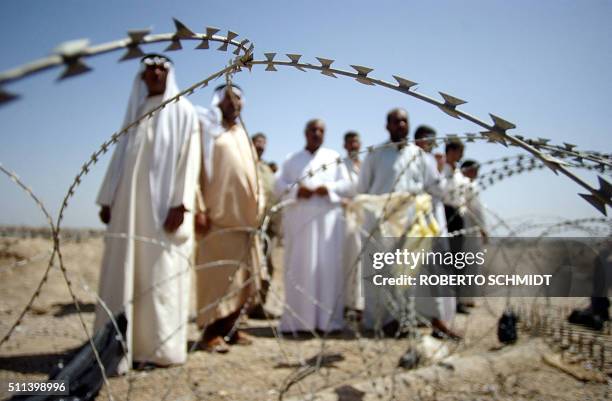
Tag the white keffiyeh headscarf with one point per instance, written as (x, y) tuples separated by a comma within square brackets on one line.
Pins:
[(212, 125)]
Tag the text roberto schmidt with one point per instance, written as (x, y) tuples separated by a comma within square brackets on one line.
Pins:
[(410, 260)]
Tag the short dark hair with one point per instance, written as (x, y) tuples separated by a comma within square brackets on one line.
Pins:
[(351, 134), (223, 86), (469, 163), (424, 131), (259, 135), (453, 144), (395, 110)]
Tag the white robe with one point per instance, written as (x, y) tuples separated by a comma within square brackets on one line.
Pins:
[(435, 185), (406, 170), (145, 271), (314, 234), (353, 294)]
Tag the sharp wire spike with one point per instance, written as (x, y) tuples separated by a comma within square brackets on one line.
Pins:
[(231, 36), (404, 83), (203, 45), (6, 97), (595, 202), (501, 123), (181, 30), (451, 101), (174, 45), (137, 35), (223, 46), (494, 136), (133, 51), (295, 58), (325, 62), (73, 68), (210, 32), (361, 70)]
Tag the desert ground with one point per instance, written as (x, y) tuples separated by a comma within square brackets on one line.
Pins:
[(355, 367)]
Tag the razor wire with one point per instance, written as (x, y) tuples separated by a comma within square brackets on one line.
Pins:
[(496, 133)]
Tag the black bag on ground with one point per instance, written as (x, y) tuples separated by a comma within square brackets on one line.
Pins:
[(506, 328)]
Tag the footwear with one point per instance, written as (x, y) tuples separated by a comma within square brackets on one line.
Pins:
[(241, 338), (586, 317), (259, 313), (462, 309), (216, 344)]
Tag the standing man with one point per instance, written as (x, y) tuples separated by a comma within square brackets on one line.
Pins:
[(314, 234), (228, 255), (402, 167), (353, 298), (454, 203), (147, 201), (424, 138), (352, 145), (267, 180)]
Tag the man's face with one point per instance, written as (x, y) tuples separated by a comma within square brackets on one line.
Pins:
[(260, 145), (397, 125), (471, 173), (426, 143), (154, 76), (352, 145), (315, 132), (231, 105), (454, 155)]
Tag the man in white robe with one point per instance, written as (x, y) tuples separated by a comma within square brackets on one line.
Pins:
[(402, 167), (352, 245), (315, 180), (436, 186), (474, 217), (147, 200), (454, 205)]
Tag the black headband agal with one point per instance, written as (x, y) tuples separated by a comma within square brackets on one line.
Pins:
[(156, 59)]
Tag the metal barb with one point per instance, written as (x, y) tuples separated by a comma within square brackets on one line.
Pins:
[(210, 32), (174, 45), (181, 30), (137, 35), (133, 51), (74, 67), (203, 45), (6, 97), (403, 83)]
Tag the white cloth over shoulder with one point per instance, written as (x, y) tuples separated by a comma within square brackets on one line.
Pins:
[(175, 122), (314, 234)]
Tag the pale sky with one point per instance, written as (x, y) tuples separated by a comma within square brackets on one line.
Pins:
[(545, 66)]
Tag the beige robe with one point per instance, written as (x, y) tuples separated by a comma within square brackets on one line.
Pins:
[(228, 256), (146, 271)]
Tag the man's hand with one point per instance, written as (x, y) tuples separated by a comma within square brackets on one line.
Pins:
[(105, 214), (174, 218), (202, 223), (321, 191), (304, 192)]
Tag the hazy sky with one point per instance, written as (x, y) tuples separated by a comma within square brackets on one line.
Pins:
[(546, 66)]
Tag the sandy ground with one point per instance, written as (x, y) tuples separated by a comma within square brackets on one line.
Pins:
[(357, 368)]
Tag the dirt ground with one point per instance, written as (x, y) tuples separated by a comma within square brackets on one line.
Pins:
[(355, 368)]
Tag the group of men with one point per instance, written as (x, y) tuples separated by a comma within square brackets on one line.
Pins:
[(322, 244), (186, 184)]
